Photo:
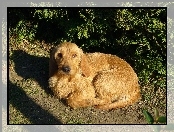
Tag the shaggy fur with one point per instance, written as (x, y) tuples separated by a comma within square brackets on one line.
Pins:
[(93, 79)]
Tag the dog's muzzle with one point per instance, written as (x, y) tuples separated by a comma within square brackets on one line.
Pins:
[(66, 69)]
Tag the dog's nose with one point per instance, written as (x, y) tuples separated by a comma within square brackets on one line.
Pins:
[(66, 69)]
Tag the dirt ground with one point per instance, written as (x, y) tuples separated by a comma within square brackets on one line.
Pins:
[(31, 102)]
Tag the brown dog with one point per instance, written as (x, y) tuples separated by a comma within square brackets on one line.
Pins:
[(93, 79)]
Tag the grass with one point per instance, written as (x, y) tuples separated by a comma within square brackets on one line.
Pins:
[(31, 102)]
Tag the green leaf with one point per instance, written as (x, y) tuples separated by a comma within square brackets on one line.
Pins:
[(148, 117), (162, 119), (156, 114)]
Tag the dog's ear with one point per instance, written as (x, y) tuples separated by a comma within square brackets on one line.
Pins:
[(85, 66), (52, 63)]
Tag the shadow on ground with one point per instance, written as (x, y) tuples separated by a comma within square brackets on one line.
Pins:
[(37, 115), (29, 66)]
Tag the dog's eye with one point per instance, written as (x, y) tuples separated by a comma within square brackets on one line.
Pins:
[(59, 55), (74, 55)]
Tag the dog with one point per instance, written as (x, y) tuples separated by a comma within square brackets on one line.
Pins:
[(101, 80)]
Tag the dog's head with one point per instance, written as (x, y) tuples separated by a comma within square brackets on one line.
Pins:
[(69, 59)]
